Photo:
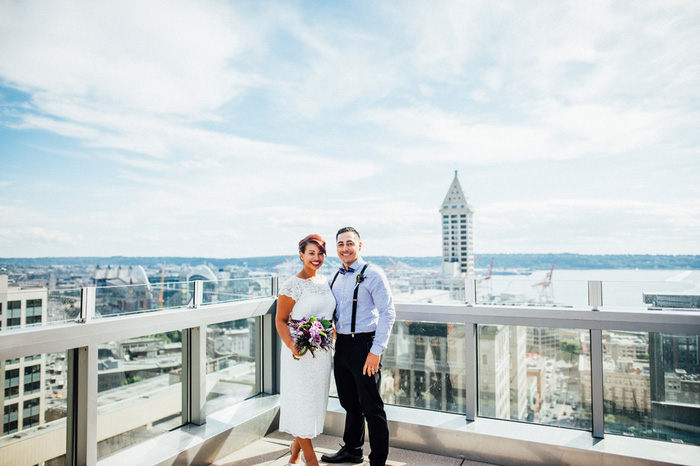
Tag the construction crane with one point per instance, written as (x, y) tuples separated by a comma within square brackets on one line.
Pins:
[(545, 290), (484, 286), (488, 275), (162, 285)]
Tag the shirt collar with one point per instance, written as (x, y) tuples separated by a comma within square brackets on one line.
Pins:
[(357, 265)]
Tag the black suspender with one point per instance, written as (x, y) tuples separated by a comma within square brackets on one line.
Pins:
[(354, 299), (335, 311), (336, 276)]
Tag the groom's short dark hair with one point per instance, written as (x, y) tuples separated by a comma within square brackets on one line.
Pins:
[(345, 230)]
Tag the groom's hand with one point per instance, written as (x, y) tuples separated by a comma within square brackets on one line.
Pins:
[(371, 365)]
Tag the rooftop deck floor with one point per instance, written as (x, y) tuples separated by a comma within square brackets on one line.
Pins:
[(273, 450)]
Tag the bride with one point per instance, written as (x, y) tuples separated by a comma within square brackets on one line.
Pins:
[(304, 378)]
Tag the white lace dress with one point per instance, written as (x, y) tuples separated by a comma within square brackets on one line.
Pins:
[(304, 384)]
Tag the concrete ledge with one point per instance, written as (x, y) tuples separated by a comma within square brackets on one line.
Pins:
[(224, 432), (515, 443)]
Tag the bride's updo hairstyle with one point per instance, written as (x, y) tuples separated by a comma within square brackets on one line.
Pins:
[(315, 239)]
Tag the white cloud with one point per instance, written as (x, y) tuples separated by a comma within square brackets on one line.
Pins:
[(160, 57), (200, 122), (429, 133), (589, 226)]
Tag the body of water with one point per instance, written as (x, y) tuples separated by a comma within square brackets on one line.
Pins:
[(621, 288)]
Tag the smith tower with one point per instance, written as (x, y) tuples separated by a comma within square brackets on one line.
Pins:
[(457, 249)]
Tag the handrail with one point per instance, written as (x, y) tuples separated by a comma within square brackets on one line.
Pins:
[(683, 322)]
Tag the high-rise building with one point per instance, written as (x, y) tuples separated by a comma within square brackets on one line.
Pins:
[(457, 248), (22, 380), (494, 371), (518, 371)]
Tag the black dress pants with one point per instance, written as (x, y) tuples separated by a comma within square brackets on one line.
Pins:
[(359, 396)]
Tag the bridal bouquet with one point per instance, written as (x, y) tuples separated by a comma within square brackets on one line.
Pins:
[(311, 334)]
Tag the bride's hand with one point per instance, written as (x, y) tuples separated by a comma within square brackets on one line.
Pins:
[(295, 353)]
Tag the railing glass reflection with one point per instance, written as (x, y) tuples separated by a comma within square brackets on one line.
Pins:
[(236, 289), (652, 385), (63, 305), (139, 390), (530, 290), (231, 367), (423, 366), (34, 410), (533, 374), (134, 299)]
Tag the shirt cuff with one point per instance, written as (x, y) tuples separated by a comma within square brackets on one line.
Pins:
[(376, 349)]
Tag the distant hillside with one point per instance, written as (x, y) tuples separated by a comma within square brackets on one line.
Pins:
[(501, 261)]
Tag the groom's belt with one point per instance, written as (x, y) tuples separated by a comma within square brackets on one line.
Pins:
[(342, 336)]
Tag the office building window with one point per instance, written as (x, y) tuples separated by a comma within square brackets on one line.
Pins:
[(9, 419), (33, 312), (32, 379), (30, 414), (14, 313), (11, 383)]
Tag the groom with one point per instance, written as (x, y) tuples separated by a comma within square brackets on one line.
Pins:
[(363, 319)]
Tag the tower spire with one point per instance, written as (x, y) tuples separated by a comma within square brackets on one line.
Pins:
[(457, 251)]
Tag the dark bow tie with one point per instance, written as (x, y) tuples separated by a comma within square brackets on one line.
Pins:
[(344, 270)]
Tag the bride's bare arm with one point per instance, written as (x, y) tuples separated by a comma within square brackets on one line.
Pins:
[(285, 304)]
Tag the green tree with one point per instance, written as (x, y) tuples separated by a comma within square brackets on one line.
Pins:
[(571, 346)]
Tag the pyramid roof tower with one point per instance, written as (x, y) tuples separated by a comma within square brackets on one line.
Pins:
[(455, 197), (457, 240)]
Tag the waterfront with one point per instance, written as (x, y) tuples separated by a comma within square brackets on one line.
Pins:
[(621, 288)]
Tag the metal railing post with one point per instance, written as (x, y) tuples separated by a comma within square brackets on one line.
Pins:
[(87, 304), (597, 411), (194, 375), (274, 286), (470, 291), (471, 382), (269, 350), (595, 300), (197, 293), (595, 294), (194, 366), (81, 425)]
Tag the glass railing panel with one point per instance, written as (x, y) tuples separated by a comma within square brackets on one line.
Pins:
[(134, 299), (63, 305), (139, 390), (680, 290), (652, 385), (25, 307), (534, 374), (236, 289), (424, 366), (231, 364), (532, 289), (34, 411)]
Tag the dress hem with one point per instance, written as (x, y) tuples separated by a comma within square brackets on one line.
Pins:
[(311, 437)]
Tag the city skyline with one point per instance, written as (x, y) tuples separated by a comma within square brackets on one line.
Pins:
[(233, 130)]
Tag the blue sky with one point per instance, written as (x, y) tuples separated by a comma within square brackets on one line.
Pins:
[(233, 129)]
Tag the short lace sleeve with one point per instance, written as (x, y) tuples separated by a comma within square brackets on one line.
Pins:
[(291, 288)]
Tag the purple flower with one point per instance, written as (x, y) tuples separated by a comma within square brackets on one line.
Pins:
[(311, 334)]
